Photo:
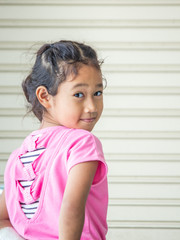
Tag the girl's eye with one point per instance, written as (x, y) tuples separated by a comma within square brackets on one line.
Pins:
[(99, 93), (79, 95)]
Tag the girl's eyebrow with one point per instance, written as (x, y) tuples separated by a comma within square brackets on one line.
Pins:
[(86, 85)]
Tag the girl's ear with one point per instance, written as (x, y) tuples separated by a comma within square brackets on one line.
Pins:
[(43, 96)]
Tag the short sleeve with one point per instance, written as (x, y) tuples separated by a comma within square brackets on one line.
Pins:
[(86, 147)]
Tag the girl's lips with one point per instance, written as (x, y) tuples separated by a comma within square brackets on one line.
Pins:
[(88, 120)]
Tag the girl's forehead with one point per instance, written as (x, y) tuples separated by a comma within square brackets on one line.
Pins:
[(87, 75)]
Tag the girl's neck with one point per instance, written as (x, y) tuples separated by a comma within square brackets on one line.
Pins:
[(46, 124)]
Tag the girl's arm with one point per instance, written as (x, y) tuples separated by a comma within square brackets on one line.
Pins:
[(74, 200), (6, 229), (4, 218)]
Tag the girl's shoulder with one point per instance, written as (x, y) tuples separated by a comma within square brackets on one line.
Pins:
[(83, 136), (72, 134), (60, 136), (82, 133)]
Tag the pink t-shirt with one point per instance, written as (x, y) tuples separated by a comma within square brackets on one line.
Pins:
[(64, 149)]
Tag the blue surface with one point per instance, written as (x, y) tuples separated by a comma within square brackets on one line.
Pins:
[(1, 188)]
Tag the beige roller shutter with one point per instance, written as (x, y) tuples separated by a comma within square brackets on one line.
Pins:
[(140, 126)]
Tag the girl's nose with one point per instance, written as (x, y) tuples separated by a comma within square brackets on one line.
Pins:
[(90, 106)]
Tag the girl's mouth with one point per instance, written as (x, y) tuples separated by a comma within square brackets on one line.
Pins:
[(88, 120)]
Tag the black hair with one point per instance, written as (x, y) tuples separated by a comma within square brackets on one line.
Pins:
[(53, 64)]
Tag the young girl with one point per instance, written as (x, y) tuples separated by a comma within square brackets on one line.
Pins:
[(56, 182)]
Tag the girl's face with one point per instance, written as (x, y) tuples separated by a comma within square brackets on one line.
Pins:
[(78, 102)]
